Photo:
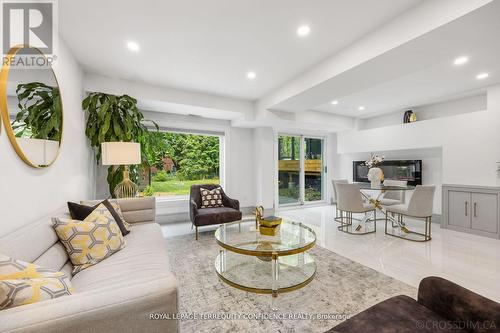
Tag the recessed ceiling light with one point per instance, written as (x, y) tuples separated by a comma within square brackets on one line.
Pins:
[(303, 30), (361, 108), (251, 75), (482, 76), (133, 46), (460, 61), (335, 102)]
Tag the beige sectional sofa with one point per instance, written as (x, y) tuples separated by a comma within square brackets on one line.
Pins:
[(116, 295)]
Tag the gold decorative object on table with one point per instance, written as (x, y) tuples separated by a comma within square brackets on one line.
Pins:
[(259, 213), (269, 225)]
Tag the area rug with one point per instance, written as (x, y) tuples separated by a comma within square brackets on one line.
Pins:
[(340, 289)]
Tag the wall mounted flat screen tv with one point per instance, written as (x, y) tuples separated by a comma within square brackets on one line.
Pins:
[(409, 170)]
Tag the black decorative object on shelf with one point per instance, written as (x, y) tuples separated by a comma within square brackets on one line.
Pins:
[(409, 117)]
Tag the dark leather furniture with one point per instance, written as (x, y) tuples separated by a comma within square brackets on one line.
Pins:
[(210, 216), (442, 306)]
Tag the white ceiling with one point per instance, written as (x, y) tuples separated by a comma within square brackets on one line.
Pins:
[(209, 46), (186, 110), (417, 73)]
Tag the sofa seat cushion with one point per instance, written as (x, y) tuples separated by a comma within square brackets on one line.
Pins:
[(210, 216), (400, 314), (143, 258)]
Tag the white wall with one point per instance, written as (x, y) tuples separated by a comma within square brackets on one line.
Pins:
[(469, 143), (431, 111), (27, 193), (264, 164), (240, 181), (334, 163)]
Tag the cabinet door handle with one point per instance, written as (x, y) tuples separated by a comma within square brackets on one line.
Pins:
[(466, 207), (475, 206)]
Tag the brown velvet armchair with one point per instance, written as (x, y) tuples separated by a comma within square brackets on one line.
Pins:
[(211, 216)]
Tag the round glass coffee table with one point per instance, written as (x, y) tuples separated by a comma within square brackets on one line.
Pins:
[(265, 264)]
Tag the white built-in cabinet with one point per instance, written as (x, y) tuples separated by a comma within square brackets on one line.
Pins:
[(472, 209)]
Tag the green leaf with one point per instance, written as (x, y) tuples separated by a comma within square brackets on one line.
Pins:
[(40, 111)]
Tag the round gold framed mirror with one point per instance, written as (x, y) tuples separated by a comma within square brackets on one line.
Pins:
[(31, 106)]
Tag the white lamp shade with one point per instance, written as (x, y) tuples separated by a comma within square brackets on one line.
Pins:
[(121, 153), (38, 151)]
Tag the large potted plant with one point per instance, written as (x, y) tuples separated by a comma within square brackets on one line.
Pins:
[(112, 118)]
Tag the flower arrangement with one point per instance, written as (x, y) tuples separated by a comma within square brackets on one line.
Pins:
[(374, 160)]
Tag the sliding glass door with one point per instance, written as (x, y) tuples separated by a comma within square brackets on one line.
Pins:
[(314, 169), (289, 180), (300, 170)]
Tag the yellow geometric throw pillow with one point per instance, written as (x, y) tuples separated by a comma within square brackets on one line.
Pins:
[(91, 240), (25, 291), (23, 283), (13, 269)]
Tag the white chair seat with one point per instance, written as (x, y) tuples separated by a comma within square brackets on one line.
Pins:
[(420, 206), (400, 209), (351, 200), (390, 202)]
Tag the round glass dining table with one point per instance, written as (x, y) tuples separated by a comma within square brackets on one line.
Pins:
[(382, 188), (373, 195)]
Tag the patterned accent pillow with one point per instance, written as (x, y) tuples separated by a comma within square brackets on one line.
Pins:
[(80, 212), (211, 198), (13, 269), (24, 283), (26, 291), (118, 210), (92, 240)]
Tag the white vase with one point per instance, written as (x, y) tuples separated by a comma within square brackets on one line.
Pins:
[(375, 177)]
